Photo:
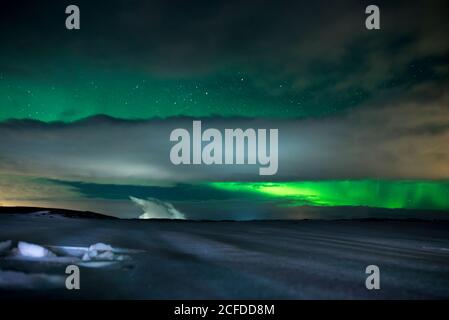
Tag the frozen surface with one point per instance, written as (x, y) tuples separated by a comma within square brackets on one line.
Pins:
[(231, 260), (30, 281), (5, 246)]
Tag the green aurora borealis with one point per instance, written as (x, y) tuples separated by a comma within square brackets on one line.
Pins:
[(73, 92), (370, 193)]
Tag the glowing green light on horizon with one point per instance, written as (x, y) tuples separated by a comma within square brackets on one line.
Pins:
[(370, 193)]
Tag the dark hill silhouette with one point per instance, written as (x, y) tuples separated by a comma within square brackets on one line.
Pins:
[(54, 211)]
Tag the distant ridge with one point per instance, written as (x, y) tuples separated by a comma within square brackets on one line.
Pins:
[(312, 213), (54, 211)]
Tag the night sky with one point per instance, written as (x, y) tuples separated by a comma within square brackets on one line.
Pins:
[(363, 115)]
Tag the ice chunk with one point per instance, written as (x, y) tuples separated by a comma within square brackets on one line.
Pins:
[(86, 257), (32, 250), (100, 247), (99, 251), (98, 255), (106, 255), (102, 252)]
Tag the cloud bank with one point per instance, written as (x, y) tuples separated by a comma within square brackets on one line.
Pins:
[(404, 141)]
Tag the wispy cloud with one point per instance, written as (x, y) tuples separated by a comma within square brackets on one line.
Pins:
[(156, 209)]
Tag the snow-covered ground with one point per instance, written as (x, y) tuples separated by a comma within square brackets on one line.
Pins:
[(224, 260)]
